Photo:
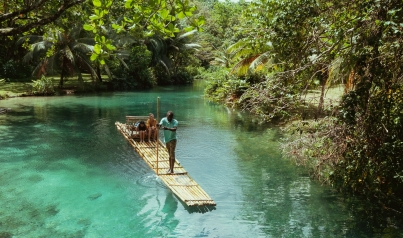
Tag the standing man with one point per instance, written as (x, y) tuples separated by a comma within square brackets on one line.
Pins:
[(169, 125)]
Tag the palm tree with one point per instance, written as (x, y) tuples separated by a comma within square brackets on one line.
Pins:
[(62, 52), (167, 52), (251, 59)]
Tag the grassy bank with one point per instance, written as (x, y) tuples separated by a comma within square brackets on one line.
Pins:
[(23, 87), (307, 142)]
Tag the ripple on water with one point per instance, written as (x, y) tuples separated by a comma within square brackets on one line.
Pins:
[(150, 181)]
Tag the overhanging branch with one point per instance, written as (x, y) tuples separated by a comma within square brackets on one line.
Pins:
[(23, 28)]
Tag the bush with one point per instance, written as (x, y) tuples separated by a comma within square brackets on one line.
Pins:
[(223, 87), (315, 144), (43, 86), (373, 164), (14, 70), (138, 75)]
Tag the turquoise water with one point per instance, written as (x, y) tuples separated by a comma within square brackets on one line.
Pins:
[(65, 171)]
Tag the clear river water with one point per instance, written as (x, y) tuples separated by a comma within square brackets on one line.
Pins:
[(65, 171)]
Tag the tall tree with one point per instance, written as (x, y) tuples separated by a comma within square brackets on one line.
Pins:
[(63, 52)]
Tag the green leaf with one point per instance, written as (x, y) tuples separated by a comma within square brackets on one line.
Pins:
[(110, 47), (128, 19), (88, 27), (109, 3), (97, 3), (128, 3), (97, 49), (94, 57), (201, 20), (94, 17), (164, 13), (151, 3), (114, 26), (180, 15), (189, 28)]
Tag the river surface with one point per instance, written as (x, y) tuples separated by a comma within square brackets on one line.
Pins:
[(65, 171)]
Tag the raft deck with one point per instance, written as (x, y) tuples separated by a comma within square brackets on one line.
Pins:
[(181, 184)]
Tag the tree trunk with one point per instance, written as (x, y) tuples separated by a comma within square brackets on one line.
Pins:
[(323, 81), (62, 75), (99, 74), (80, 80)]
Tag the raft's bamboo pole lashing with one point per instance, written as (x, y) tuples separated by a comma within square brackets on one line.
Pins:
[(156, 156)]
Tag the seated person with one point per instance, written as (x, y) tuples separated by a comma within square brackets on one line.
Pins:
[(142, 128), (152, 127)]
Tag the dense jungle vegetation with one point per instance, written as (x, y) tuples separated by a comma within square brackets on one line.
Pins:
[(263, 56)]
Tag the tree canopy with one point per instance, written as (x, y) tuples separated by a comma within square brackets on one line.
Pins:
[(18, 17)]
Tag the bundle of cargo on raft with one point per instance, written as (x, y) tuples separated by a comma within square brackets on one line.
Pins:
[(155, 154)]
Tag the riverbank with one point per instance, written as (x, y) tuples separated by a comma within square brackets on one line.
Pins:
[(23, 87)]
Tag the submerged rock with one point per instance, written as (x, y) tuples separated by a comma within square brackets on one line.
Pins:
[(94, 196), (5, 234)]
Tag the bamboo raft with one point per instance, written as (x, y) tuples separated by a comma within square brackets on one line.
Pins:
[(157, 157)]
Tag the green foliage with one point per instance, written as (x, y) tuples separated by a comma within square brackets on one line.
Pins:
[(43, 86), (138, 75), (171, 56), (373, 163), (31, 16), (152, 17), (223, 87), (312, 44), (14, 70), (308, 143), (60, 52), (271, 99)]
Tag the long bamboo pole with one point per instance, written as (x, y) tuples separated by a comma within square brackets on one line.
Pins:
[(156, 128)]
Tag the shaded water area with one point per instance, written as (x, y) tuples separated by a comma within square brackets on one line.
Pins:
[(65, 171)]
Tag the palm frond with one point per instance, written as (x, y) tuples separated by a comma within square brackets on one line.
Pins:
[(124, 40), (30, 38), (108, 71), (86, 62), (87, 41), (157, 45), (124, 54), (123, 62), (337, 72), (40, 47), (187, 34), (242, 53), (242, 67), (191, 46), (81, 47), (68, 54), (40, 68), (234, 48), (61, 38), (260, 61), (75, 32), (165, 66), (28, 57)]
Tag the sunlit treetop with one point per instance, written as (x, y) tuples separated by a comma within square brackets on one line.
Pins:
[(147, 17)]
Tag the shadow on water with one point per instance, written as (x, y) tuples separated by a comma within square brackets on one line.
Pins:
[(198, 209)]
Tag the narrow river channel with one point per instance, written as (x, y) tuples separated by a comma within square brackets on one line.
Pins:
[(65, 171)]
